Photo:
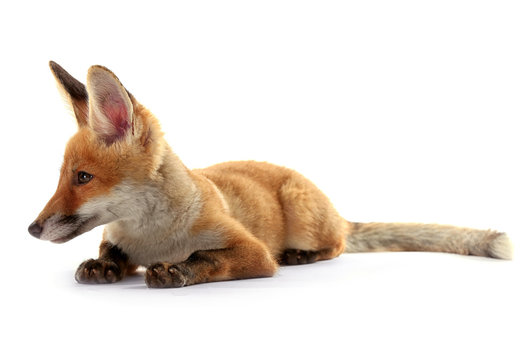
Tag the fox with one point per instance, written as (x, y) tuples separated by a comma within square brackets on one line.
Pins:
[(233, 220)]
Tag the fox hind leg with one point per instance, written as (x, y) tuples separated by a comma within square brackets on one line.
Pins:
[(298, 257), (314, 229), (301, 257)]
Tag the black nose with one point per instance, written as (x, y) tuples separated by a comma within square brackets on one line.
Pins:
[(35, 229)]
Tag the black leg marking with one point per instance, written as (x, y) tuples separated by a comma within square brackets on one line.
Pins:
[(298, 257)]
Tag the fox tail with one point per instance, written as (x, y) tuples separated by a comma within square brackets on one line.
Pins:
[(373, 237)]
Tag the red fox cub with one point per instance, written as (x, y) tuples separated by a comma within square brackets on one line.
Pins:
[(234, 220)]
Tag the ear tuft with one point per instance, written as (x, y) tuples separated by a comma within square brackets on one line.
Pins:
[(74, 88), (73, 91), (111, 109)]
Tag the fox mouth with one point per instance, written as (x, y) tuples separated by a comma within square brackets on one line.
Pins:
[(62, 240), (72, 225)]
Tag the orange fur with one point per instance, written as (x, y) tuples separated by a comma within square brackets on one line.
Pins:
[(230, 221)]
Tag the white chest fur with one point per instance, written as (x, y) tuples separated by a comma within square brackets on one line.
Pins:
[(154, 228)]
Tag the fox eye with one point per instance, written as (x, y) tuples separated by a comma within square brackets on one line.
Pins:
[(84, 177)]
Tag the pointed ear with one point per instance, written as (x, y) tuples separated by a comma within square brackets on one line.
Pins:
[(73, 92), (110, 106)]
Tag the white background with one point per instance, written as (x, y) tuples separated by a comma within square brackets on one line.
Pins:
[(398, 110)]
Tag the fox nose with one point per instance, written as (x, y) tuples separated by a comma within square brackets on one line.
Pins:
[(35, 229)]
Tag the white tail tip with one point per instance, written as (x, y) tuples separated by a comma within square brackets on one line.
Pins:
[(501, 247)]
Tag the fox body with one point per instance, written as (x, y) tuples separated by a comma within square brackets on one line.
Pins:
[(233, 220)]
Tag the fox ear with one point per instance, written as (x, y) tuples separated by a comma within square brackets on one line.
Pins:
[(110, 106), (73, 92)]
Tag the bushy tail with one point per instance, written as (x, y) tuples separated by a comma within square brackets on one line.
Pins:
[(366, 237)]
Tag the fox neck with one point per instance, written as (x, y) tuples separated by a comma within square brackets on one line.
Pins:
[(165, 206)]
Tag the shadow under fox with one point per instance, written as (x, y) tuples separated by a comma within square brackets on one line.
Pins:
[(233, 220)]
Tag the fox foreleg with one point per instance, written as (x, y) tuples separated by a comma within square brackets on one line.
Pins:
[(111, 266)]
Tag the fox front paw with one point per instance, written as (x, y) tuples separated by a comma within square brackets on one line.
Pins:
[(165, 275), (98, 272)]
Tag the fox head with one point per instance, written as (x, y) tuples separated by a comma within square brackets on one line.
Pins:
[(118, 144)]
